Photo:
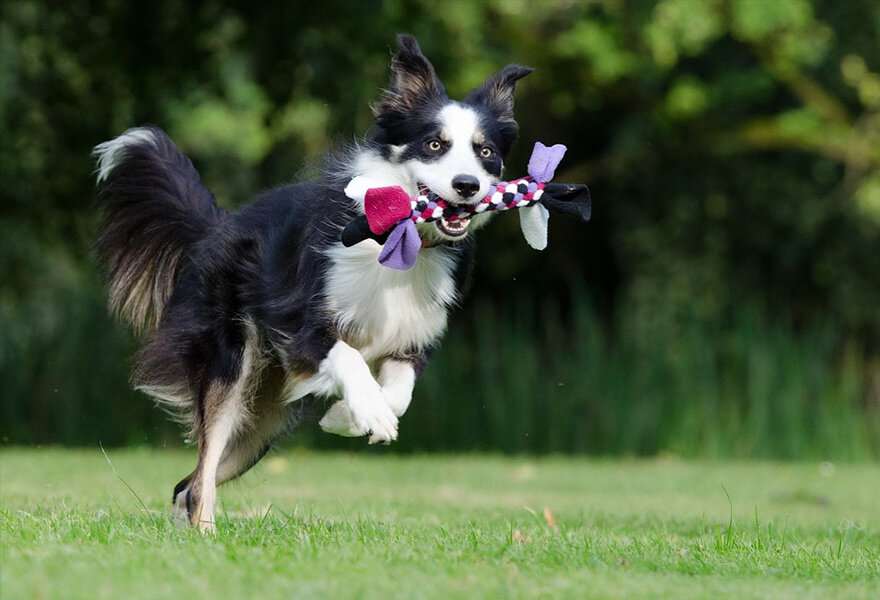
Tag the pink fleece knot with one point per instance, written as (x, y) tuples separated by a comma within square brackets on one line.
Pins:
[(385, 207)]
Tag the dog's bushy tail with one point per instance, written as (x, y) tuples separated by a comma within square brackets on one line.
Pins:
[(154, 209)]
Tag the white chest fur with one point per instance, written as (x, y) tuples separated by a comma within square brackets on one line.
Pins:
[(382, 311)]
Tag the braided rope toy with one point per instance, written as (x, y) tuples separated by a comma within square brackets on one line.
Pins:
[(390, 215)]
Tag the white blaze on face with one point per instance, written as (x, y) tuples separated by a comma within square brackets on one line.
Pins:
[(461, 129)]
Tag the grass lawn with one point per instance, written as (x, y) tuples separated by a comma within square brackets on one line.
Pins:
[(373, 526)]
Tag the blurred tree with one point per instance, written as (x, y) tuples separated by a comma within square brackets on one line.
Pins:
[(733, 148)]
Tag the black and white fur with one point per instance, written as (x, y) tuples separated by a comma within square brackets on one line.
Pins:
[(251, 315)]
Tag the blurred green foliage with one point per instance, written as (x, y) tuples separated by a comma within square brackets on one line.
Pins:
[(723, 301)]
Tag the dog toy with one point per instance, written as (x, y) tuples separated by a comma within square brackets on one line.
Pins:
[(390, 215)]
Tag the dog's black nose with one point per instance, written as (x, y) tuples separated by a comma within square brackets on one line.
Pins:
[(465, 185)]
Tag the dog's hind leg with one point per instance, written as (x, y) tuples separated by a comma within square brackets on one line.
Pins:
[(253, 442), (224, 412), (264, 419), (180, 500), (270, 418), (242, 451)]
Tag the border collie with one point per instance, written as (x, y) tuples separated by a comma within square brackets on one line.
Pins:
[(249, 315)]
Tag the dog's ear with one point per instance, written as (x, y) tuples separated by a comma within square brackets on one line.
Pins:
[(413, 80), (497, 92)]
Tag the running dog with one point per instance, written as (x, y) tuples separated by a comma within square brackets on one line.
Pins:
[(248, 315)]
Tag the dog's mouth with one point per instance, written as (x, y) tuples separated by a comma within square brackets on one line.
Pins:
[(455, 227), (452, 227)]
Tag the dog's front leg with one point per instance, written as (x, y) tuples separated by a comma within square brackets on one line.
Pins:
[(397, 378), (363, 408)]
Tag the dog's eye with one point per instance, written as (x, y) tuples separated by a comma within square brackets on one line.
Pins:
[(486, 152), (434, 145)]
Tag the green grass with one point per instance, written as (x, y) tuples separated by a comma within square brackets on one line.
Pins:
[(370, 526)]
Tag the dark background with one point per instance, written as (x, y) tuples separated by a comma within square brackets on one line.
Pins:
[(724, 301)]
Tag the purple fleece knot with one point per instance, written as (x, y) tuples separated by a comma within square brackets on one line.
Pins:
[(401, 249), (544, 160)]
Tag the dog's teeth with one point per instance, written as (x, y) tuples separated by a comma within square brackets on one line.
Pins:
[(456, 227)]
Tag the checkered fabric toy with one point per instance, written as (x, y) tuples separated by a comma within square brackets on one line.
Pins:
[(391, 215)]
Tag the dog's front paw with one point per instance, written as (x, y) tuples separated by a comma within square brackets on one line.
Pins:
[(371, 414), (339, 421)]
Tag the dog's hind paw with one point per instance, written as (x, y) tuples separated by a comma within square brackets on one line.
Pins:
[(180, 510)]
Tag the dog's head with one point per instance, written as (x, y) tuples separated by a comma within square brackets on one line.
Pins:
[(455, 148)]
